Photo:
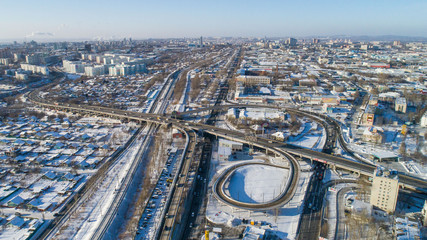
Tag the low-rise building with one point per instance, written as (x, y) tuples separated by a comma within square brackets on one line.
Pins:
[(254, 80), (373, 134), (400, 105), (227, 147), (307, 82), (368, 116), (253, 233), (279, 136), (381, 156), (406, 229), (373, 101)]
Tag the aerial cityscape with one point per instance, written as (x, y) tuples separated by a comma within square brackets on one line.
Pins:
[(222, 120)]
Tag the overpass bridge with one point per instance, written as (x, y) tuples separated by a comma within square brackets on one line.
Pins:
[(361, 168), (406, 181)]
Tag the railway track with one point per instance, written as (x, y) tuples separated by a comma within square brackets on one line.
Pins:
[(159, 106)]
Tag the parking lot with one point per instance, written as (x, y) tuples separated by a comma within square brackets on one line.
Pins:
[(150, 218)]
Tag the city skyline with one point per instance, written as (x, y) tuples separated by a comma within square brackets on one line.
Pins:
[(213, 120), (60, 20)]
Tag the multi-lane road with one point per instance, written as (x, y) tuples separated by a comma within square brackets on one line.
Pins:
[(271, 145), (339, 162), (280, 200), (360, 167), (159, 106)]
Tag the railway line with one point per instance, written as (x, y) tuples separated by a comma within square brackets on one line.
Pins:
[(159, 106), (277, 147), (86, 191), (335, 161)]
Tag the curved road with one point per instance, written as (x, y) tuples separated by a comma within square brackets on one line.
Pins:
[(363, 168), (218, 190)]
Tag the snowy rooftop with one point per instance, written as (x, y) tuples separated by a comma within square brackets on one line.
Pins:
[(389, 94), (384, 154)]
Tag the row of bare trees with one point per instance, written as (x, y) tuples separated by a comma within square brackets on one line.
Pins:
[(155, 79), (179, 87), (156, 161), (195, 87)]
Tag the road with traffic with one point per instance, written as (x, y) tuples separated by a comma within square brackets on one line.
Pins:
[(406, 181), (332, 160)]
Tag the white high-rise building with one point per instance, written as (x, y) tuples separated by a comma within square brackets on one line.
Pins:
[(73, 66), (5, 61), (384, 191), (35, 69)]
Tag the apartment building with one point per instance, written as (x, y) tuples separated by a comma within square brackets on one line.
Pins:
[(384, 191)]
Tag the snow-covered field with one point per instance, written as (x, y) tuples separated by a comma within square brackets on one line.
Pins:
[(282, 221), (257, 183), (310, 137)]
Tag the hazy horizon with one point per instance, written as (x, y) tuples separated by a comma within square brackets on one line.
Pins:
[(352, 37), (90, 20)]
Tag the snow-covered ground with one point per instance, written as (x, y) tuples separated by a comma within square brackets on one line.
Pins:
[(4, 87), (283, 221), (392, 142), (257, 183), (403, 166), (87, 218), (311, 137), (331, 209)]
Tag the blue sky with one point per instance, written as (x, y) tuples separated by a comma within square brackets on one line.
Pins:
[(190, 18)]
